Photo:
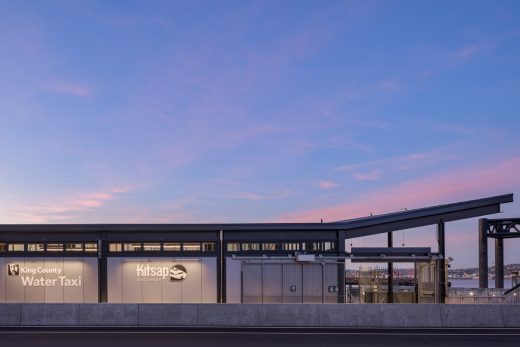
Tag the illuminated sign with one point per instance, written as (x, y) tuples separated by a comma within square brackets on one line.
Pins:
[(35, 276), (148, 273)]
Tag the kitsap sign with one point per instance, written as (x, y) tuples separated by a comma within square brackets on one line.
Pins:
[(36, 276), (148, 273)]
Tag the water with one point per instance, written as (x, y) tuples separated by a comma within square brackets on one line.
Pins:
[(473, 283)]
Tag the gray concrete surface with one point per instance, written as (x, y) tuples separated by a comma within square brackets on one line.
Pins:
[(164, 314), (108, 314), (338, 315), (475, 316), (49, 314), (288, 315), (410, 315), (237, 315), (262, 315)]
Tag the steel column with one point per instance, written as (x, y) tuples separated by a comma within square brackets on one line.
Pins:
[(482, 253), (442, 262), (102, 268), (390, 280), (499, 263)]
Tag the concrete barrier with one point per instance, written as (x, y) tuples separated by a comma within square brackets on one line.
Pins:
[(262, 315), (511, 315), (235, 315), (474, 316), (10, 314), (108, 314), (410, 315), (288, 315), (352, 315), (49, 314), (170, 315)]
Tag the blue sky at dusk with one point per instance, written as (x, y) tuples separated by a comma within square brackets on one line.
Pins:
[(258, 111)]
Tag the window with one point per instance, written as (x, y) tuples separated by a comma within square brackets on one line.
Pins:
[(191, 247), (132, 247), (208, 246), (313, 246), (246, 246), (55, 247), (147, 246), (329, 246), (35, 247), (114, 247), (171, 246), (74, 247), (291, 246), (90, 247), (233, 247), (3, 247), (15, 247), (269, 246)]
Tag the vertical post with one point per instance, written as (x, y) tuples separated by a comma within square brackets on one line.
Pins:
[(499, 263), (390, 281), (482, 253), (442, 263), (102, 268), (220, 269)]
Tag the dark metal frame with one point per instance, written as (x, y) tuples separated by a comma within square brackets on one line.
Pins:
[(338, 232), (499, 229)]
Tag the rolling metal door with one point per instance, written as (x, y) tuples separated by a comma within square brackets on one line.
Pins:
[(292, 283), (272, 283), (252, 283), (312, 283)]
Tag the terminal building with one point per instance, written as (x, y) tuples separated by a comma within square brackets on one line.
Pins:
[(206, 263)]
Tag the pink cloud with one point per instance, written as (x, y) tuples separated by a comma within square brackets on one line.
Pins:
[(459, 184), (66, 208), (69, 88), (371, 176), (327, 184)]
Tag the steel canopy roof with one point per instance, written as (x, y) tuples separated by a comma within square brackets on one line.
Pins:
[(358, 227)]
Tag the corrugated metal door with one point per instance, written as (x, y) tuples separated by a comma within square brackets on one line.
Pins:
[(272, 283), (292, 283), (252, 283)]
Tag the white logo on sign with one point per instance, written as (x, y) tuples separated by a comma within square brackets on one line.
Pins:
[(13, 269)]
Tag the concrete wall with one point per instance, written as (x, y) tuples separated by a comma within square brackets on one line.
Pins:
[(261, 315)]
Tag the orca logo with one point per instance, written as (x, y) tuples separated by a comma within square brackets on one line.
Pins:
[(13, 269), (178, 273)]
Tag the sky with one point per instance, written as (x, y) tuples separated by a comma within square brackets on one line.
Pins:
[(259, 111)]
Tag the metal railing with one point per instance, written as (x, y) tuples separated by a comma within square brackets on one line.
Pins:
[(475, 296)]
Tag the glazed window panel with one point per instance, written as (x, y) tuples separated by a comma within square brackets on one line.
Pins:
[(35, 247), (233, 247), (209, 247), (329, 246), (90, 247), (269, 246), (171, 246), (152, 246), (115, 247), (191, 247), (250, 246), (291, 246), (3, 247), (132, 247), (74, 247), (15, 247), (55, 247)]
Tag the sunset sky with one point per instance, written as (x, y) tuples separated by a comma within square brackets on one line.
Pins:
[(259, 111)]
